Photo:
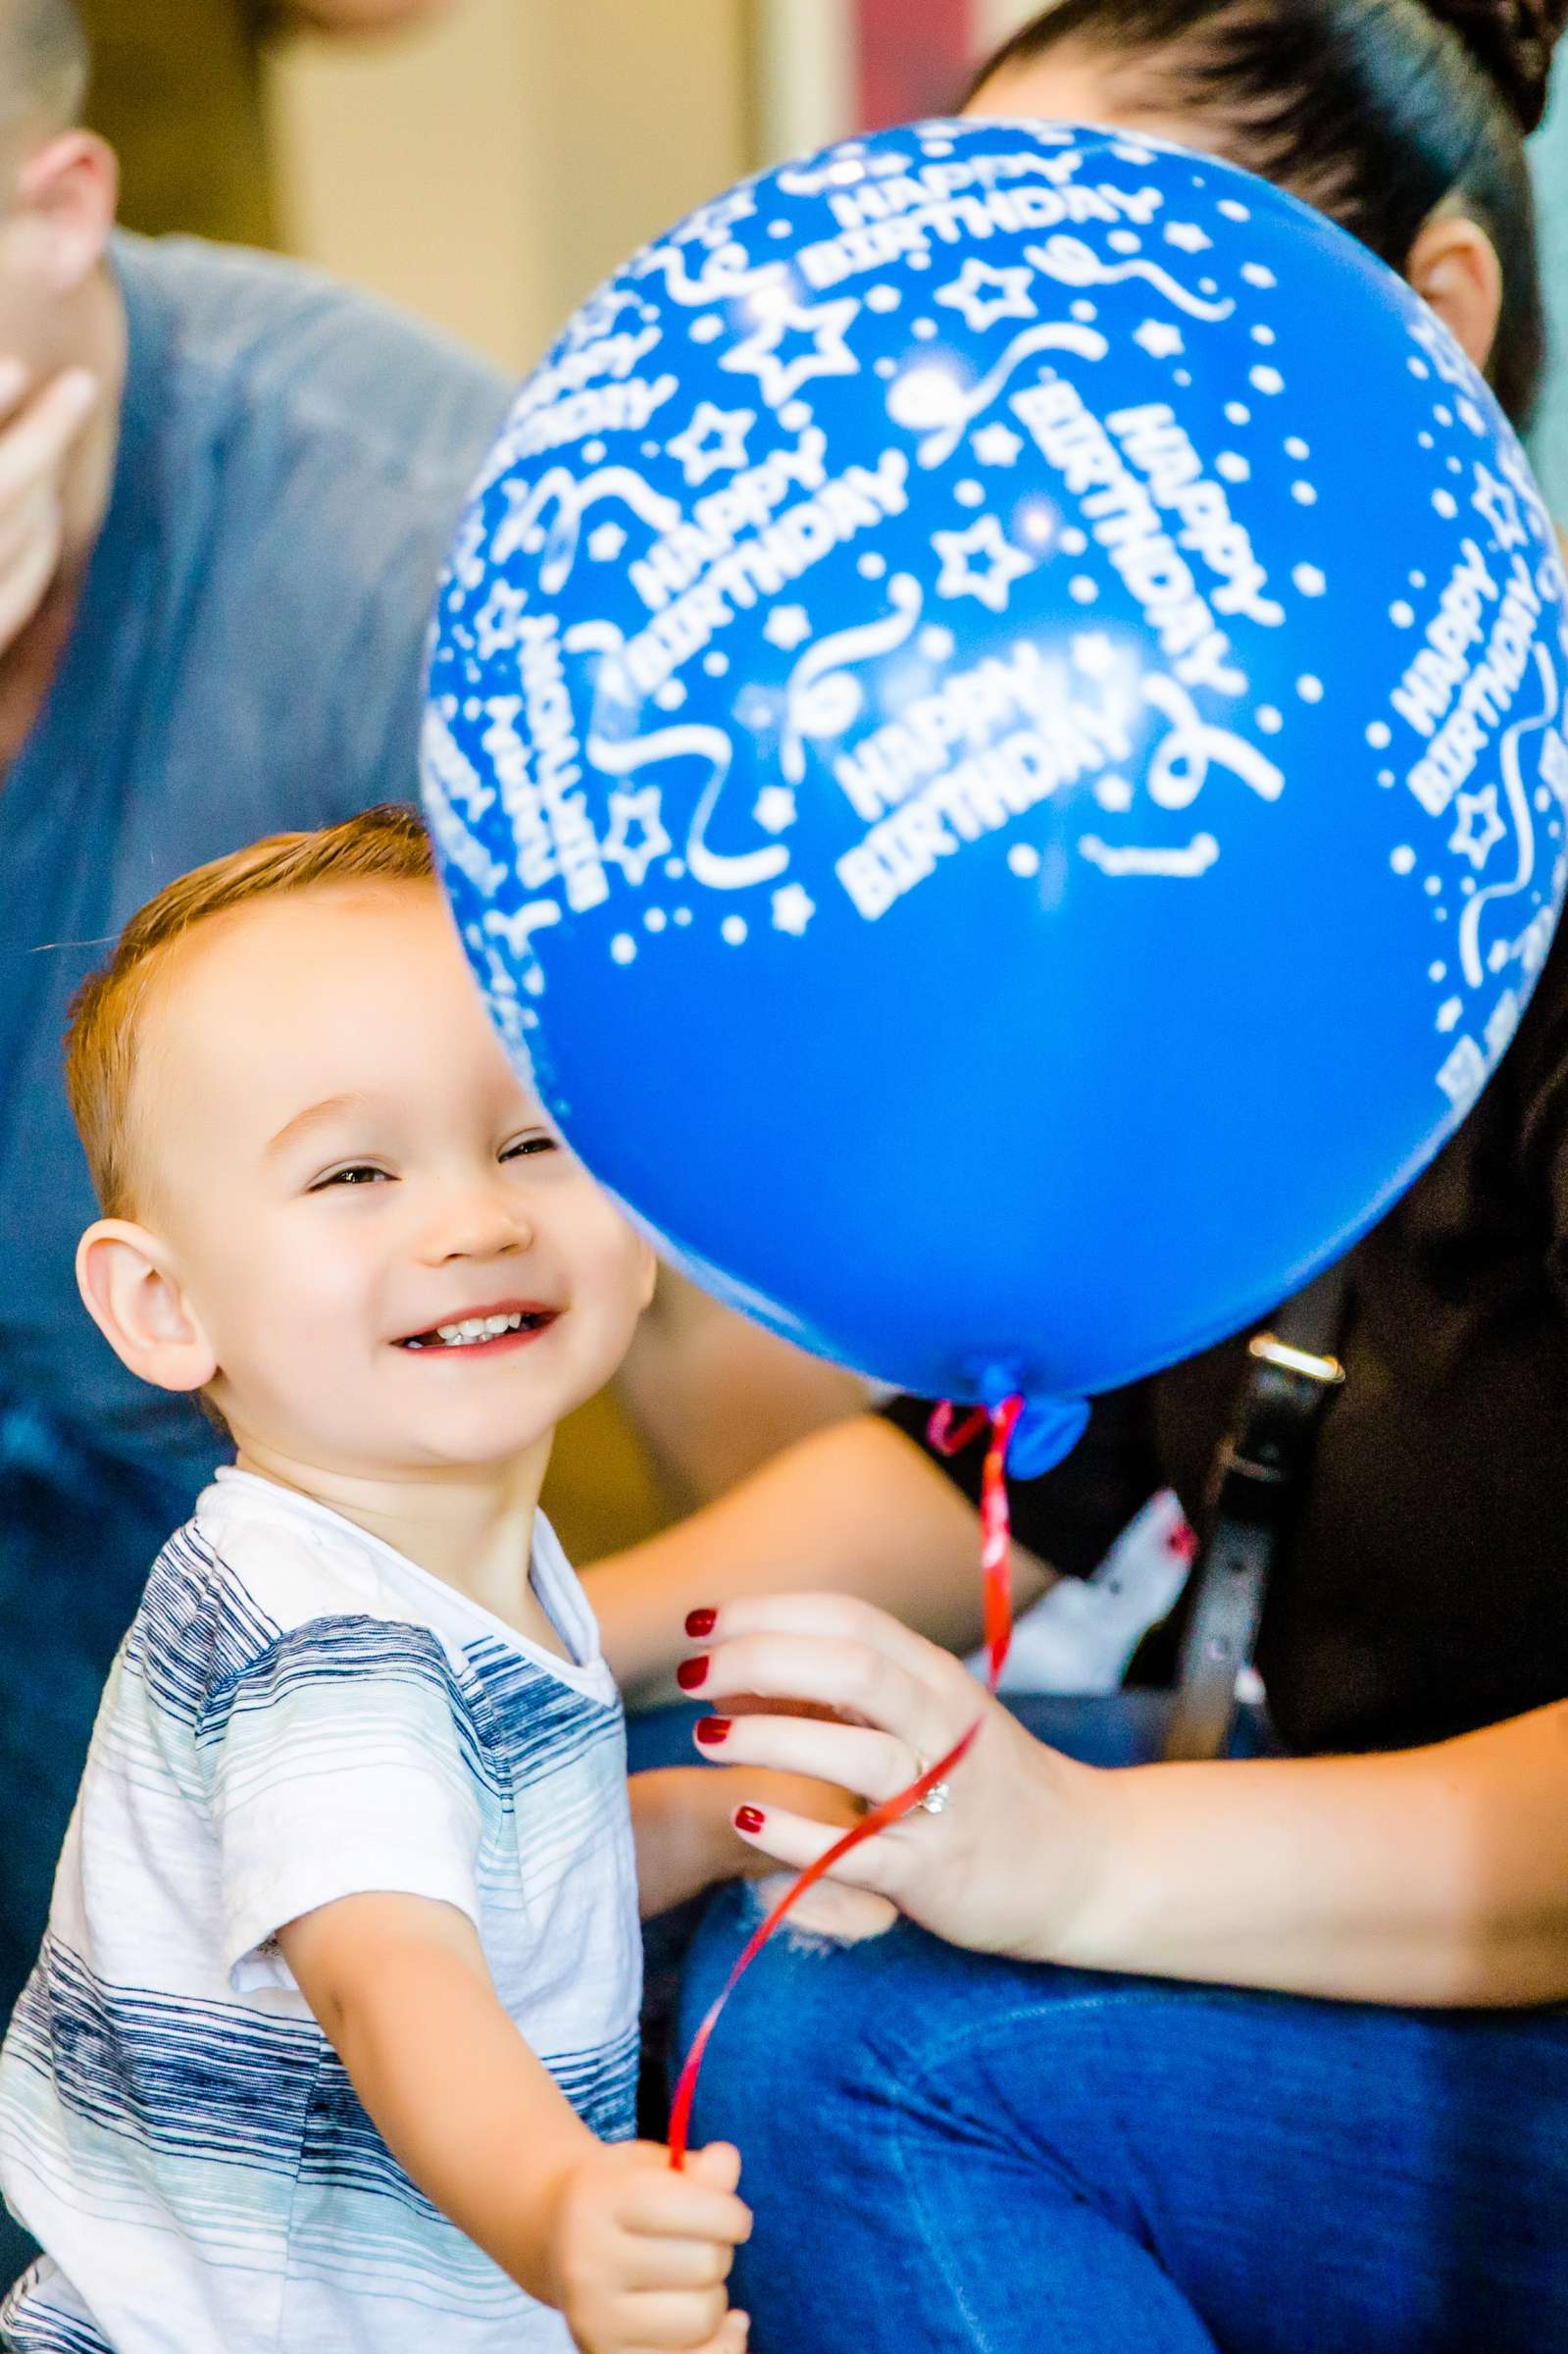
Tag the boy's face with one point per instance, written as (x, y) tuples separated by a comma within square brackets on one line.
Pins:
[(345, 1168)]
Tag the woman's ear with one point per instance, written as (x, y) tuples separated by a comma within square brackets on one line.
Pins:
[(1453, 267), (133, 1292)]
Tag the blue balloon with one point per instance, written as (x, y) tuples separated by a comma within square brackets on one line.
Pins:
[(996, 738)]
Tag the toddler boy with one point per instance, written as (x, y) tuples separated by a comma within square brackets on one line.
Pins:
[(332, 2040)]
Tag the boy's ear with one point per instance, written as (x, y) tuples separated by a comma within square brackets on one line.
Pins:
[(650, 1274), (132, 1292)]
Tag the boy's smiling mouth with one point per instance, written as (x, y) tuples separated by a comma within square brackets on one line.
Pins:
[(484, 1330)]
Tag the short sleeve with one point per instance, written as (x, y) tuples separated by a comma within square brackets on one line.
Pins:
[(1072, 1516), (340, 1762)]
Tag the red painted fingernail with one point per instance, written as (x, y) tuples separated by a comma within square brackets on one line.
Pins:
[(693, 1674), (712, 1731), (700, 1624), (749, 1818)]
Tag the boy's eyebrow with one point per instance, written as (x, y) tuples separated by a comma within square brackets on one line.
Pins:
[(313, 1116)]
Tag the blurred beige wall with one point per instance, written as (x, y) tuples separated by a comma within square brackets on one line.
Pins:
[(490, 171)]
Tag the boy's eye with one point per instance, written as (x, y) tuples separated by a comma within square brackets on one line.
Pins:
[(523, 1145), (357, 1172)]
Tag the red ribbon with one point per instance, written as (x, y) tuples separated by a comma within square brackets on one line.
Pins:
[(995, 1543)]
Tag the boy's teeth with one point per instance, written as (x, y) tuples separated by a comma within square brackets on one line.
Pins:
[(478, 1328)]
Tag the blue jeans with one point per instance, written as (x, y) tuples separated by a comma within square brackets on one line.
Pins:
[(79, 1535), (946, 2151)]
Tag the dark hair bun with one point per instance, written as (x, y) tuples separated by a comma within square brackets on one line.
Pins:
[(1513, 40)]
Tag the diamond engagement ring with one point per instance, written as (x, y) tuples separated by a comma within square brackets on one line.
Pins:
[(938, 1798)]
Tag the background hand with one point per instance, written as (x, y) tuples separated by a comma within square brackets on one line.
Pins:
[(40, 427)]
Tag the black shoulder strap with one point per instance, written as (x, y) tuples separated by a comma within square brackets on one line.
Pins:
[(1259, 1484)]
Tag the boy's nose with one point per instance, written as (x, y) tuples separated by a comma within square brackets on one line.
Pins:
[(476, 1226)]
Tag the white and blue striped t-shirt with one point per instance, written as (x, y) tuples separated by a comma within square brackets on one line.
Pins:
[(298, 1713)]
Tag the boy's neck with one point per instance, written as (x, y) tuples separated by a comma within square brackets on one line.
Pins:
[(470, 1527)]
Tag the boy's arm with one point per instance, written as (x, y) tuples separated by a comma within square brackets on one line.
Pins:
[(400, 1987)]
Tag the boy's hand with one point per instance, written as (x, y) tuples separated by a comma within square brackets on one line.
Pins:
[(640, 2254)]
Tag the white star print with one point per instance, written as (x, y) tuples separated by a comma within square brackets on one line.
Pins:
[(714, 442), (1094, 654), (830, 355), (1495, 501), (495, 623), (1005, 564), (792, 909), (775, 811), (639, 809), (1160, 338), (1479, 827), (1188, 237), (997, 446), (786, 626), (606, 544), (1009, 300)]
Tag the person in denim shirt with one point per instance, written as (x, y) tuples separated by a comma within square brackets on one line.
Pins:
[(226, 489)]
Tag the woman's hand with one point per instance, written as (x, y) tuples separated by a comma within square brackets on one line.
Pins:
[(1434, 1876), (899, 1703)]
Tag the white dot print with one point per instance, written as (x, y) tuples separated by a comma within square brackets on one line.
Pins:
[(1231, 468), (1024, 860), (1309, 688), (1081, 589), (654, 920), (624, 947), (1237, 412), (1295, 447), (1304, 494), (1404, 859), (1232, 210), (1266, 379), (1402, 615), (1264, 334), (1446, 503), (1380, 736), (1269, 720), (733, 931)]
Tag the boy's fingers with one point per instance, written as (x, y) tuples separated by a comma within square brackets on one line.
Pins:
[(672, 2205), (733, 2338), (662, 2263), (716, 2168), (672, 2321)]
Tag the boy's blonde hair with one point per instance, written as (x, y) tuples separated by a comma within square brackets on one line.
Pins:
[(385, 844)]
